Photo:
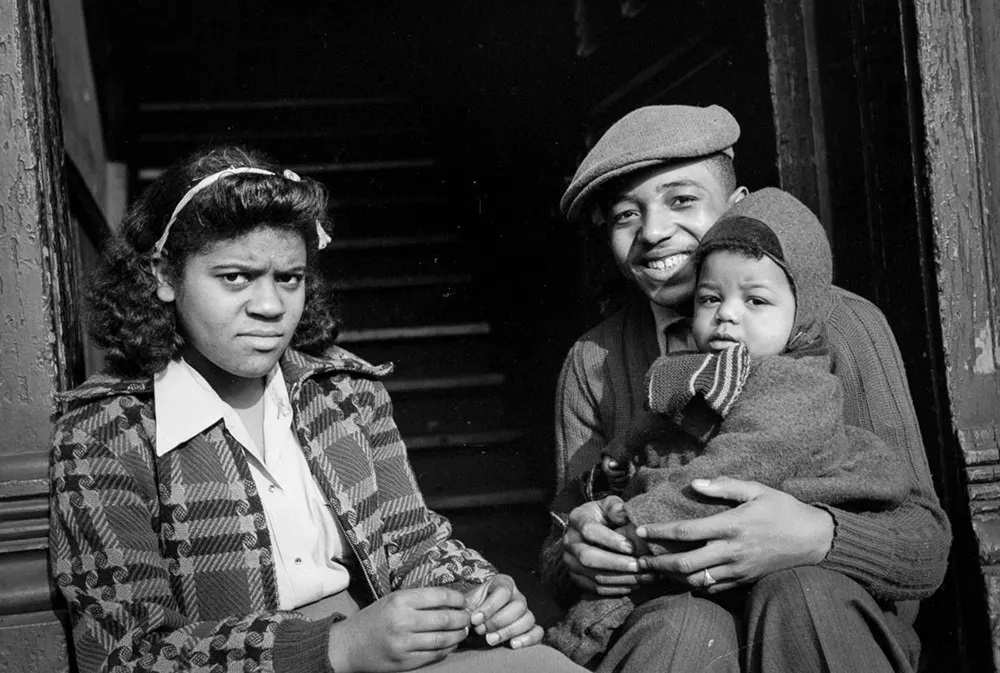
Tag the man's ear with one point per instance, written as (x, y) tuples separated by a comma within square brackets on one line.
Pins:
[(164, 288), (738, 195)]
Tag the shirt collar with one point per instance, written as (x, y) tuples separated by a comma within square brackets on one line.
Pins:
[(185, 404), (664, 316)]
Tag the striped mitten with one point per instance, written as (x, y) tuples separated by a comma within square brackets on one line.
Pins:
[(674, 380)]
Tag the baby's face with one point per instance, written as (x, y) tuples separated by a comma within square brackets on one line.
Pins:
[(741, 299)]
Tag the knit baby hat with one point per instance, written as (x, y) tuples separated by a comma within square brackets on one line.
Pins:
[(786, 230)]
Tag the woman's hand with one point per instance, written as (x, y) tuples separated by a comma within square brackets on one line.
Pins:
[(767, 532), (500, 612), (599, 559), (399, 632)]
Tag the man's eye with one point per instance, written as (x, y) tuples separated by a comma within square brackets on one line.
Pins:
[(623, 216), (683, 200)]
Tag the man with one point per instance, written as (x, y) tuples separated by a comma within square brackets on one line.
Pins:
[(778, 584)]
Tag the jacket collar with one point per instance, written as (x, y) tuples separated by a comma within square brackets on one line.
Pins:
[(297, 368)]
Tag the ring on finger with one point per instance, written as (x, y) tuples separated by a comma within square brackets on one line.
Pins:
[(709, 580)]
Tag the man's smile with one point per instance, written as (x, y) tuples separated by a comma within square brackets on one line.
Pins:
[(662, 267)]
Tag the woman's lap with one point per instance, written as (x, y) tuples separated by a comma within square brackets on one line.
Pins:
[(534, 659)]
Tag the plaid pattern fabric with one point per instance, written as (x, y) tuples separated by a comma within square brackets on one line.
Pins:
[(166, 564)]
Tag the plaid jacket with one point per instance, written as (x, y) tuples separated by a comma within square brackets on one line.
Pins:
[(166, 563)]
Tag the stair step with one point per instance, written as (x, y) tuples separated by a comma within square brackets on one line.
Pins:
[(392, 183), (403, 306), (448, 411), (415, 332), (476, 477), (441, 356), (391, 242), (294, 144), (269, 104), (218, 111), (444, 383), (150, 174), (464, 440), (410, 256), (520, 496), (388, 282)]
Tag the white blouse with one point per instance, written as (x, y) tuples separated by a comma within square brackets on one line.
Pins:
[(309, 546)]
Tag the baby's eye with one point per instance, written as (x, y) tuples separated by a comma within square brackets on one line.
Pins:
[(708, 300), (758, 301)]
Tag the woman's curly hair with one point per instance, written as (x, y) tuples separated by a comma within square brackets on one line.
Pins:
[(137, 330)]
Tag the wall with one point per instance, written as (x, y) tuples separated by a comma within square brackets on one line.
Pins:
[(38, 339), (959, 53)]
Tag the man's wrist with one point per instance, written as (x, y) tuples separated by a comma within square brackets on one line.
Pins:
[(336, 649), (824, 527)]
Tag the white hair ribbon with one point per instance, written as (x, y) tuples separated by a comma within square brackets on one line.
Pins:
[(323, 237)]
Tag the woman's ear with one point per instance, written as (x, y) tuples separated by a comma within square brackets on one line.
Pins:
[(164, 289), (738, 195)]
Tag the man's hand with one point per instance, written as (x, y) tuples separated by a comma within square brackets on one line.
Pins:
[(768, 531), (500, 612), (599, 559), (399, 632)]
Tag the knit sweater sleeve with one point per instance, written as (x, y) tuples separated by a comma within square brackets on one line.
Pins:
[(106, 559), (419, 545), (901, 553)]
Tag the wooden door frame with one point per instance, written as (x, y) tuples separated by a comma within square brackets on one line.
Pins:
[(952, 110), (958, 52), (40, 350)]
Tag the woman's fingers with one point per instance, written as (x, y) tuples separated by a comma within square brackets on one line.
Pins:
[(435, 641), (532, 637), (500, 593), (521, 623)]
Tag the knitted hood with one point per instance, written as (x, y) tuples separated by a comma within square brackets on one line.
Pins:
[(786, 230)]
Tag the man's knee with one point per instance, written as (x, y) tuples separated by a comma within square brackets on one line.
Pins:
[(797, 587), (811, 619)]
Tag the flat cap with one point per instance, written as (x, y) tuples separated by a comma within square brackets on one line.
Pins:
[(646, 137)]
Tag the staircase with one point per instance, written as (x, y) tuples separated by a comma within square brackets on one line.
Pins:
[(404, 261)]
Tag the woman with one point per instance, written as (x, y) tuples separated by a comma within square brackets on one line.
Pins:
[(234, 491)]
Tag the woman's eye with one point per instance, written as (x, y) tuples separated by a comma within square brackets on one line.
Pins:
[(291, 280), (235, 278)]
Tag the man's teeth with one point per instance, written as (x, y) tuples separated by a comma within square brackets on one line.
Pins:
[(668, 262)]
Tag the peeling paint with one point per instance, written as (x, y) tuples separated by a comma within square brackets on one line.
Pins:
[(985, 362)]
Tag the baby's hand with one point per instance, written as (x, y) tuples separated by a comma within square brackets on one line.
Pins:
[(639, 544), (616, 472)]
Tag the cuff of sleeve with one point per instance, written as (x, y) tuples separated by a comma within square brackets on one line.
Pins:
[(464, 585), (300, 645), (858, 548)]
